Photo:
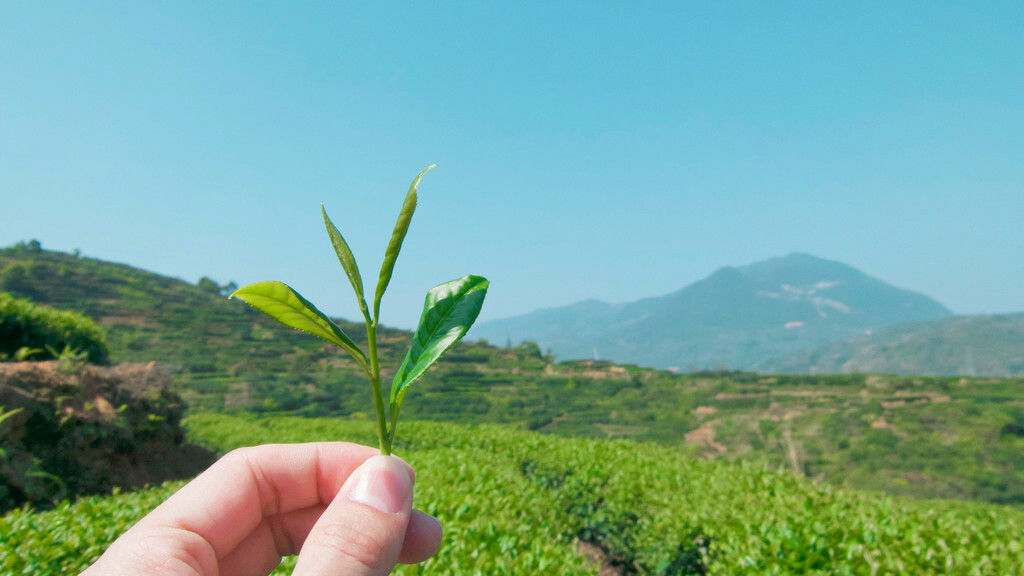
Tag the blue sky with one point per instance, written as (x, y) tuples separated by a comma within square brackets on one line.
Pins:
[(585, 150)]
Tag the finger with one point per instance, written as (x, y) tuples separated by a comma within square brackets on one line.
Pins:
[(362, 531), (227, 502), (281, 536), (213, 514), (163, 551), (422, 538), (275, 537)]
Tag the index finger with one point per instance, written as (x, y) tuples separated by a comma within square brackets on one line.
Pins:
[(228, 501)]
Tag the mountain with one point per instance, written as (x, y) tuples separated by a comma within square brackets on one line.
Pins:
[(957, 346), (738, 317)]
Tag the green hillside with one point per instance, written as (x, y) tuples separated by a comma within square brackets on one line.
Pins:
[(915, 436), (962, 345), (224, 355), (515, 502)]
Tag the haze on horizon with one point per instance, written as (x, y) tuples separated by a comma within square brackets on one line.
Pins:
[(585, 150)]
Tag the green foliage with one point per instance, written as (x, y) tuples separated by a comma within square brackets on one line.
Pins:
[(20, 473), (67, 539), (347, 260), (30, 330), (149, 317), (528, 349), (17, 279), (6, 415), (25, 353), (524, 500), (395, 244), (449, 311), (288, 307), (207, 285), (73, 429)]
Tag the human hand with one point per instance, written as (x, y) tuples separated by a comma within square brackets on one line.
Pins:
[(340, 507)]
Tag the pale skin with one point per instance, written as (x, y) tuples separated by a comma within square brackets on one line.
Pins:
[(343, 508)]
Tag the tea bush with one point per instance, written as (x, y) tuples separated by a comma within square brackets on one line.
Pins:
[(516, 502), (70, 537), (26, 325)]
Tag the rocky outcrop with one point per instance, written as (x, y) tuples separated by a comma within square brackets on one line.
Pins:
[(79, 429)]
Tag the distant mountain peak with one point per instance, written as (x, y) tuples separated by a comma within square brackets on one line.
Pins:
[(800, 256), (725, 273), (738, 316), (802, 261)]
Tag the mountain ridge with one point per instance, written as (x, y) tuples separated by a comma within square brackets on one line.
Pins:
[(970, 345), (737, 316)]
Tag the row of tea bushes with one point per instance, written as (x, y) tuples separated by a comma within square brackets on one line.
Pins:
[(516, 502)]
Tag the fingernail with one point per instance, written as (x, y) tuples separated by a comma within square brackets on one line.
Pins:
[(381, 482)]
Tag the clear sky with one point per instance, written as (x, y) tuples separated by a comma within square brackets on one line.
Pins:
[(585, 149)]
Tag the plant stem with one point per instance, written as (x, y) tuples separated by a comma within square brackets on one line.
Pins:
[(394, 421), (378, 394)]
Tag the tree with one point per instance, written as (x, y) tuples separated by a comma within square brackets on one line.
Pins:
[(228, 289), (208, 286), (528, 349)]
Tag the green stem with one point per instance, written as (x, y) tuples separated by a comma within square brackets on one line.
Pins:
[(394, 408), (378, 395)]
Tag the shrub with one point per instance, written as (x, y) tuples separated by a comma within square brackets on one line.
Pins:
[(64, 433), (26, 325)]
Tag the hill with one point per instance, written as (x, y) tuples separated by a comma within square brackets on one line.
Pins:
[(737, 317), (962, 345), (515, 502), (922, 437), (222, 354)]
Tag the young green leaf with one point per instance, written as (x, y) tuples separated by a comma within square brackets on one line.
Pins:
[(348, 261), (8, 414), (288, 307), (395, 244), (450, 309)]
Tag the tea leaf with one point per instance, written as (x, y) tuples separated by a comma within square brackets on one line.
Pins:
[(348, 261), (282, 303), (395, 244), (450, 309)]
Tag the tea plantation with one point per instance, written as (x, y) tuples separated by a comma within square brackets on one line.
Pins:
[(535, 466), (922, 437), (518, 502)]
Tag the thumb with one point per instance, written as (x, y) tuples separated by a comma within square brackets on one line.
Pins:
[(362, 531)]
